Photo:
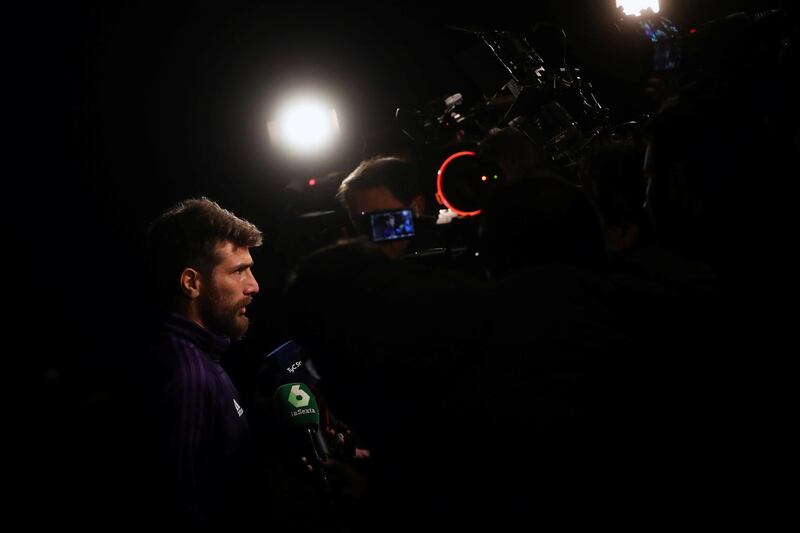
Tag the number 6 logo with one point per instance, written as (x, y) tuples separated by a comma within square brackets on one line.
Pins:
[(298, 397)]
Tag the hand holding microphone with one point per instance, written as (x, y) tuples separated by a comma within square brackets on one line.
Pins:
[(298, 407)]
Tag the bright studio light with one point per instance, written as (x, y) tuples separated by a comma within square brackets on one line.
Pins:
[(635, 7), (305, 125)]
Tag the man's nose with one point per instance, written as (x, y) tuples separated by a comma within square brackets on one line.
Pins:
[(251, 285)]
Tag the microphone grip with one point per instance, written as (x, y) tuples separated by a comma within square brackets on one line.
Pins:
[(320, 444), (316, 455)]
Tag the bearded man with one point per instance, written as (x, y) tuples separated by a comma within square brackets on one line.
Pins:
[(198, 255)]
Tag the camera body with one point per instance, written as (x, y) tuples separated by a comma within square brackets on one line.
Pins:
[(552, 104)]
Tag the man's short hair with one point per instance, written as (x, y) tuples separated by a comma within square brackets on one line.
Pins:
[(187, 235), (396, 174)]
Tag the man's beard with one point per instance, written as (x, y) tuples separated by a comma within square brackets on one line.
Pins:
[(226, 320)]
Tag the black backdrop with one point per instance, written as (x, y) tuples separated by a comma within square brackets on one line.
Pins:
[(119, 111)]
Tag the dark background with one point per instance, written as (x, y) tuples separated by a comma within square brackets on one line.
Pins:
[(121, 110)]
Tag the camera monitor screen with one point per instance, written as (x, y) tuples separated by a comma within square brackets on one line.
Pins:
[(391, 225)]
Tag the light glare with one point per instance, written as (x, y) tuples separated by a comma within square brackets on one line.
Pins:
[(635, 7), (305, 125)]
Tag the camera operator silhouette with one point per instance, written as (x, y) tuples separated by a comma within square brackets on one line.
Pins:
[(381, 184)]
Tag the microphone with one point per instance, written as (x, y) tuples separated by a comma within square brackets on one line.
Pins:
[(293, 363), (295, 366), (298, 407)]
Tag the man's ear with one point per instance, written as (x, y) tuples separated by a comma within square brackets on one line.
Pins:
[(190, 283), (418, 205)]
